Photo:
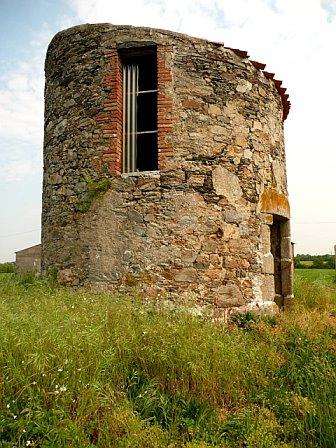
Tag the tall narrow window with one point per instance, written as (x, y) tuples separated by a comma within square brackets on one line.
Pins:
[(140, 151)]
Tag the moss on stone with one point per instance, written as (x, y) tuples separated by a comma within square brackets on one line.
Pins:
[(132, 279), (95, 189)]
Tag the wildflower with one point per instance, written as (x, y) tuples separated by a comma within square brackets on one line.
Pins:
[(28, 443), (62, 389), (8, 406), (33, 383), (14, 417), (60, 370)]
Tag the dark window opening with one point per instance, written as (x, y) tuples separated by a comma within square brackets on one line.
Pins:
[(140, 152)]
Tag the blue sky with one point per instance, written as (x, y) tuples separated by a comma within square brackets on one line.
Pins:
[(295, 38)]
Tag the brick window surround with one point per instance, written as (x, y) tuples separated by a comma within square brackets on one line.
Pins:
[(111, 118)]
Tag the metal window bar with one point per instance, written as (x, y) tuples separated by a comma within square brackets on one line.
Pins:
[(147, 91), (130, 92), (145, 132)]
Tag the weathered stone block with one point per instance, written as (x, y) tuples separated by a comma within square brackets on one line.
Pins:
[(268, 264), (186, 275), (67, 277), (267, 287), (229, 296), (265, 239), (196, 180)]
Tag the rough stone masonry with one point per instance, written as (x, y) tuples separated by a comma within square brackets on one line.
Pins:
[(211, 223)]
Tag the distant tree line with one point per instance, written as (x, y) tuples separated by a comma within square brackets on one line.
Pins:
[(7, 267), (306, 261)]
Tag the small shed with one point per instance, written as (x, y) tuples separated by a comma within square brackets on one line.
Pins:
[(29, 259)]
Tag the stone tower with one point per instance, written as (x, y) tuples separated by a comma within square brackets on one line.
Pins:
[(164, 168)]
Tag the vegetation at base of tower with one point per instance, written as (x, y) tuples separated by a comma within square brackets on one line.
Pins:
[(94, 189), (83, 369)]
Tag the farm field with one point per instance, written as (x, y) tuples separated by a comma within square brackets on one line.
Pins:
[(83, 369), (324, 276)]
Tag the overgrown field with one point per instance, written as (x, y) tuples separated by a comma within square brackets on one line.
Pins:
[(322, 276), (79, 369)]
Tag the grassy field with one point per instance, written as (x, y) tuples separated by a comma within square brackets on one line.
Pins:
[(79, 369), (324, 276)]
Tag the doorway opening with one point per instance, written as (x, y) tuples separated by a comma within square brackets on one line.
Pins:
[(281, 249)]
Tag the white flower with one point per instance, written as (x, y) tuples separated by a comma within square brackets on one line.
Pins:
[(60, 370), (8, 406), (14, 417), (28, 443), (33, 383), (62, 389)]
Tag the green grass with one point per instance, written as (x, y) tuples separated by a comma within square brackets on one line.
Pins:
[(326, 276), (82, 369)]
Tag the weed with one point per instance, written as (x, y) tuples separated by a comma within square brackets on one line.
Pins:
[(94, 190), (244, 321)]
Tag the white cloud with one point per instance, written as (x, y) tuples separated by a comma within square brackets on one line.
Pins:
[(21, 111), (16, 170), (21, 101)]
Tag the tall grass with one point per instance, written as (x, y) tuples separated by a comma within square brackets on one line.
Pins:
[(81, 369)]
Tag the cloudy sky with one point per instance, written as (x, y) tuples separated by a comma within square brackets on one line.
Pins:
[(295, 38)]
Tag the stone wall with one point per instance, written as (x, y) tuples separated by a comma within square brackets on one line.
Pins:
[(200, 226), (29, 259)]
